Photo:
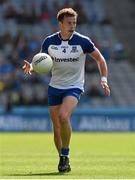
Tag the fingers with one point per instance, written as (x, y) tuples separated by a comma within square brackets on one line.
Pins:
[(25, 64), (29, 72), (26, 67), (106, 89)]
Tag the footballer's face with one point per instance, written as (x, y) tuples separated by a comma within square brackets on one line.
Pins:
[(68, 24)]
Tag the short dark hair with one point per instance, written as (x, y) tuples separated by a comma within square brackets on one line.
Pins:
[(65, 13)]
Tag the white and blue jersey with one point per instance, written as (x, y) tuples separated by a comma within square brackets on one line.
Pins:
[(68, 59)]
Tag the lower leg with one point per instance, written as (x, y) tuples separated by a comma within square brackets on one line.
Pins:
[(69, 103), (56, 126), (64, 164), (57, 140), (66, 133), (66, 130)]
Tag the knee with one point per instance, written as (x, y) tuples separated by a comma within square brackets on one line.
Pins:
[(64, 117)]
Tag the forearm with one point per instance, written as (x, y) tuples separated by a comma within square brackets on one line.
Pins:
[(102, 66), (103, 69)]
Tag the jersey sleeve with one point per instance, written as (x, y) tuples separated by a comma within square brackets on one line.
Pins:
[(88, 46), (45, 45)]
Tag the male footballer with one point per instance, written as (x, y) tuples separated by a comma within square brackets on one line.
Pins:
[(68, 50)]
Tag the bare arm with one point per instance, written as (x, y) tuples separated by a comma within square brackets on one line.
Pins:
[(102, 66)]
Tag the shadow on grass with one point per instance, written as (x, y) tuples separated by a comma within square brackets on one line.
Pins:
[(37, 174)]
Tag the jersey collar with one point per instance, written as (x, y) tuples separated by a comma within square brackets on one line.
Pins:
[(59, 35)]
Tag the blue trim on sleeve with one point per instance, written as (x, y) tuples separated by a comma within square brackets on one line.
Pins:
[(50, 40), (85, 42)]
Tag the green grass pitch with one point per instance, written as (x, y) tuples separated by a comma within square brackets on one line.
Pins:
[(92, 156)]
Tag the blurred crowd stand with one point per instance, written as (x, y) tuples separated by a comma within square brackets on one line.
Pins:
[(24, 24)]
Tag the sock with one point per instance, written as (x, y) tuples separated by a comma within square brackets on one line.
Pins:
[(64, 151)]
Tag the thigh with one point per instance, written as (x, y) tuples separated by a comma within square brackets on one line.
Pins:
[(68, 104), (70, 100)]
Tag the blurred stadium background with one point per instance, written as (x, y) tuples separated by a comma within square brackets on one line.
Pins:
[(23, 99)]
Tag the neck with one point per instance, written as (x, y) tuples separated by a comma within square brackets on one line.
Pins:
[(65, 36)]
